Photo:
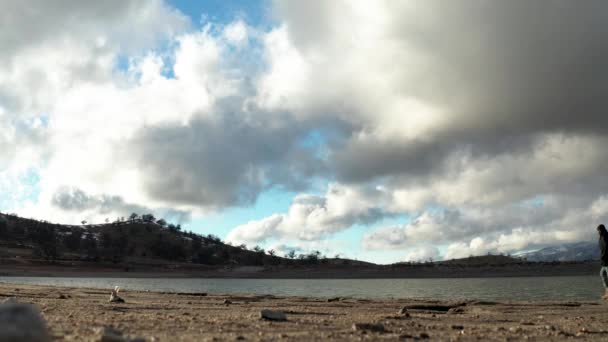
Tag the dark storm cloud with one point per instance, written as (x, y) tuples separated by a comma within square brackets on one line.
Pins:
[(225, 159), (507, 72)]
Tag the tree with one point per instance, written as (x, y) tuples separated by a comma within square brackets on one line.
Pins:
[(258, 249), (271, 252), (72, 240), (291, 254), (89, 246), (83, 222), (133, 217), (3, 227), (148, 218), (196, 244), (46, 240), (161, 222)]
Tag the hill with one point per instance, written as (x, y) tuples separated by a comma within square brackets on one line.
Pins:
[(483, 260), (139, 240), (580, 251)]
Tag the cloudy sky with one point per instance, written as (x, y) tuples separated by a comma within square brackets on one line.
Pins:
[(378, 130)]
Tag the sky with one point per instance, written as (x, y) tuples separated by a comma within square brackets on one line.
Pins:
[(384, 131)]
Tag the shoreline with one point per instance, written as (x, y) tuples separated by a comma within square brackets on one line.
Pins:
[(80, 313), (315, 272)]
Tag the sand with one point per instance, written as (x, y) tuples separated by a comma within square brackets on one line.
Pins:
[(77, 314)]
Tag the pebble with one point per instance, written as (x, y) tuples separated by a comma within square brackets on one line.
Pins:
[(457, 310), (22, 323), (368, 327), (109, 334), (272, 315), (424, 336), (457, 327)]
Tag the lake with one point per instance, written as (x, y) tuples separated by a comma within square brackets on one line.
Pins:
[(573, 288)]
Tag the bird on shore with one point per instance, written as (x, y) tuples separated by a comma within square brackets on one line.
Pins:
[(114, 298)]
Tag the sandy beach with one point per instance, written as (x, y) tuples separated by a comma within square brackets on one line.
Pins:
[(79, 314)]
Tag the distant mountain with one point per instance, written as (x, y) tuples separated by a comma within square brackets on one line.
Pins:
[(580, 251)]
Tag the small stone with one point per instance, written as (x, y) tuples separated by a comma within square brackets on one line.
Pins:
[(424, 336), (515, 329), (335, 299), (272, 315), (526, 323), (368, 327), (457, 327), (227, 301), (62, 296), (457, 310), (109, 334), (22, 322), (550, 327), (403, 311)]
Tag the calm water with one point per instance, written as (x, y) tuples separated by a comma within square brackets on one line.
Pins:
[(529, 288)]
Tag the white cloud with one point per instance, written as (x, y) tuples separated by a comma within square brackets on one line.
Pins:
[(312, 217), (424, 253)]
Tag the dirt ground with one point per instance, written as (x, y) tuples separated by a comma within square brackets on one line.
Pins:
[(78, 314)]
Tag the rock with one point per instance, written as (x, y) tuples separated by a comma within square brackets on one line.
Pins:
[(456, 310), (62, 296), (424, 336), (457, 327), (227, 301), (272, 315), (22, 323), (403, 311), (335, 299), (109, 334), (368, 327), (516, 330)]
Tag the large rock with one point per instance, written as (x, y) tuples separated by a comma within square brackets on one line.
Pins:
[(272, 315), (374, 327), (22, 323)]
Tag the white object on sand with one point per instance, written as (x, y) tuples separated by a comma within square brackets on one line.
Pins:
[(114, 298)]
